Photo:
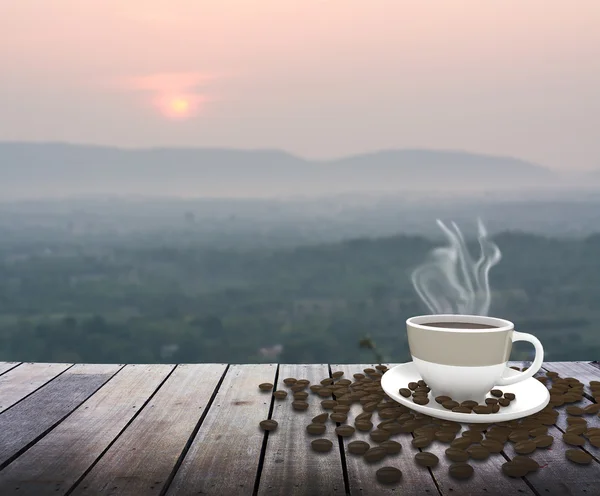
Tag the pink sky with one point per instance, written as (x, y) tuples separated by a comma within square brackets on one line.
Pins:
[(320, 78)]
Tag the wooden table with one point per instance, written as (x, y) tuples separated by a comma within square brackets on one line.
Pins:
[(86, 429)]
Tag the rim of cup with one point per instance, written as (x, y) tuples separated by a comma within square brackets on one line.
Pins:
[(421, 321)]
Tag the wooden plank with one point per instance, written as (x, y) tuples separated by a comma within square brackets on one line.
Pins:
[(558, 476), (224, 455), (60, 458), (144, 456), (24, 380), (291, 467), (24, 423), (362, 480), (585, 372), (6, 366)]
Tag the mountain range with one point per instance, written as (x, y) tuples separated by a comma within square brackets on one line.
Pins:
[(31, 170)]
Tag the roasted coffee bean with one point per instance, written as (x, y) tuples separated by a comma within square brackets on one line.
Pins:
[(421, 441), (379, 435), (442, 399), (461, 443), (363, 425), (300, 387), (543, 441), (460, 470), (492, 445), (369, 371), (457, 455), (478, 452), (344, 382), (265, 386), (495, 408), (338, 374), (315, 428), (449, 405), (578, 456), (576, 429), (491, 401), (591, 432), (358, 447), (496, 393), (345, 430), (321, 445), (391, 447), (542, 379), (514, 470), (300, 395), (280, 395), (328, 404), (321, 418), (573, 440), (591, 409), (482, 410), (461, 409), (339, 417), (405, 392), (290, 381), (498, 434), (324, 392), (576, 420), (303, 382), (454, 426), (327, 381), (503, 402), (299, 405), (518, 435), (538, 431), (474, 436), (413, 385), (426, 459), (525, 447), (341, 409), (445, 436), (268, 425), (574, 410), (420, 401), (594, 441), (388, 475), (375, 454), (552, 375), (510, 396), (470, 404), (370, 407)]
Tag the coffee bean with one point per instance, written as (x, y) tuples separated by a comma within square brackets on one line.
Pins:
[(363, 425), (591, 409), (405, 392), (320, 419), (524, 461), (542, 379), (578, 456), (339, 417), (392, 428), (461, 443), (495, 408), (474, 436), (280, 395), (426, 459), (442, 399), (413, 385), (391, 447), (328, 404), (445, 436), (543, 441), (344, 382), (496, 393), (421, 401), (324, 392), (338, 374), (576, 420), (478, 452), (491, 401), (299, 405), (518, 435), (315, 428), (482, 410), (303, 382), (388, 475), (576, 429), (492, 445), (369, 371), (290, 381), (300, 395), (379, 435), (514, 470), (457, 455), (470, 404), (552, 375), (461, 409), (538, 431), (345, 430), (421, 441), (591, 432), (300, 387), (509, 396), (375, 454), (525, 447), (498, 434), (460, 470), (358, 447), (321, 445), (573, 440), (370, 407), (359, 376), (341, 409), (594, 441), (574, 410), (450, 404), (265, 386), (268, 425)]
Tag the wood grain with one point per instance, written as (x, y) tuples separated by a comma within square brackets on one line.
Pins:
[(291, 467), (31, 418), (558, 476), (224, 455), (21, 381), (6, 366), (362, 480), (142, 458), (59, 459)]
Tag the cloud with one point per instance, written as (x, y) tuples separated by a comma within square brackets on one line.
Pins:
[(168, 82)]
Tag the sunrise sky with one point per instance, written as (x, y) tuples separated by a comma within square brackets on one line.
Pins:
[(320, 78)]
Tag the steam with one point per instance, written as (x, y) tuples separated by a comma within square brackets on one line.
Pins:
[(451, 281)]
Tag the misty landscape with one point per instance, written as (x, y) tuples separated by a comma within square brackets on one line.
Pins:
[(121, 256)]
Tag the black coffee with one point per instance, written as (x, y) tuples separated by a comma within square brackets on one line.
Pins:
[(460, 325)]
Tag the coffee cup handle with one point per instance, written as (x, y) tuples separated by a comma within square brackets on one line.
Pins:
[(535, 366)]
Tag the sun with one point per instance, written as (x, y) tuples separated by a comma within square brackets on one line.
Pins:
[(178, 107)]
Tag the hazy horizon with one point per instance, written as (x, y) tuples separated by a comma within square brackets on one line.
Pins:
[(319, 79)]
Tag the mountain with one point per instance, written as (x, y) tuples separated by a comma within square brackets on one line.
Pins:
[(29, 170)]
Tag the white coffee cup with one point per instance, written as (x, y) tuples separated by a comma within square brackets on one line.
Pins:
[(466, 362)]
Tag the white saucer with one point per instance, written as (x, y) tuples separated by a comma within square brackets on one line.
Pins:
[(531, 397)]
